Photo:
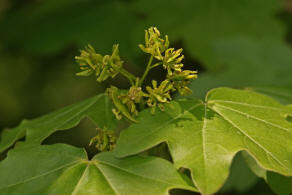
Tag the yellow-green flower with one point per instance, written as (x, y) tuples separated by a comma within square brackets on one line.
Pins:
[(180, 80), (105, 140), (89, 61), (103, 66), (125, 101), (123, 104), (172, 60), (154, 45), (183, 75), (110, 65), (159, 95), (134, 95)]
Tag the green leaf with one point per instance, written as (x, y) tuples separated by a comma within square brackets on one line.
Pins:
[(283, 95), (97, 108), (254, 166), (205, 136), (280, 184), (64, 169)]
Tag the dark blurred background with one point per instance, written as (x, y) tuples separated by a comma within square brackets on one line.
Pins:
[(232, 43)]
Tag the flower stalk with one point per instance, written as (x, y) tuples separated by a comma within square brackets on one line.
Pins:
[(148, 68)]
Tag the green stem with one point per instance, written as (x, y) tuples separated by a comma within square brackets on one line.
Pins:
[(128, 75), (154, 65), (146, 71)]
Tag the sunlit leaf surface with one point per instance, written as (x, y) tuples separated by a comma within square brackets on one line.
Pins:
[(205, 136)]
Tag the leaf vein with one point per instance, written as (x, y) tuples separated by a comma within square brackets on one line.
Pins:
[(113, 188), (166, 123), (135, 174), (246, 104), (249, 137), (79, 182), (204, 142), (41, 175), (254, 117)]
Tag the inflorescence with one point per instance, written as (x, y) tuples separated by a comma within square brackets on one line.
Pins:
[(126, 101)]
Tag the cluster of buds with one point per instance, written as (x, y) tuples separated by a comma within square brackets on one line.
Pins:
[(103, 66), (105, 140), (171, 59), (154, 45), (126, 101), (157, 96), (181, 79)]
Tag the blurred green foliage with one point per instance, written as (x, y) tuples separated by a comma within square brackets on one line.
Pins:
[(231, 43)]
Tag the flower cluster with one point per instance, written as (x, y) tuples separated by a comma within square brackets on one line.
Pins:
[(177, 79), (126, 101), (154, 45), (103, 66), (181, 79), (157, 96), (172, 60), (105, 140)]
